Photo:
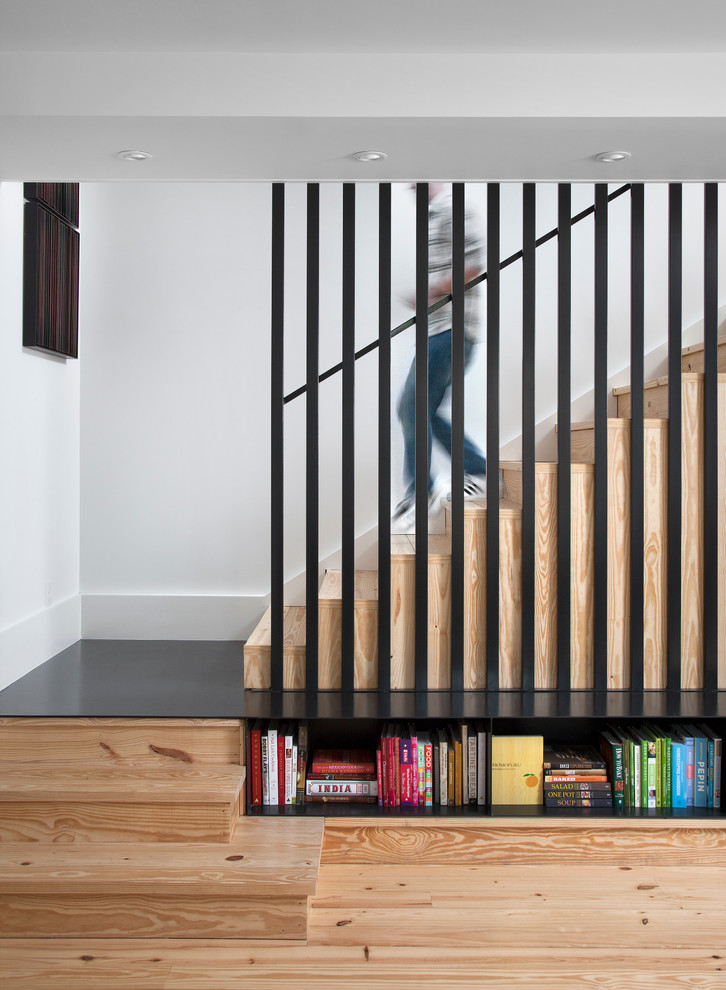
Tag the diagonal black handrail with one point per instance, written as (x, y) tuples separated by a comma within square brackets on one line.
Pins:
[(369, 348)]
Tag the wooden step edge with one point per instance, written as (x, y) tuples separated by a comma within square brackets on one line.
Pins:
[(293, 632), (695, 348), (623, 423), (540, 467), (686, 376), (404, 547), (365, 587), (31, 783), (477, 508)]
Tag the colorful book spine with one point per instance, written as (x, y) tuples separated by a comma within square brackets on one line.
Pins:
[(473, 768), (281, 764), (612, 749), (570, 802), (289, 782), (342, 788), (379, 774), (256, 761), (482, 763), (272, 772), (302, 760), (428, 772), (575, 786), (406, 773), (343, 761), (414, 765), (690, 765), (265, 763), (421, 768), (678, 772)]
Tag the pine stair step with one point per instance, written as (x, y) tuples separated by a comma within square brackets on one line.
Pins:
[(71, 803), (365, 631), (258, 650), (403, 612), (655, 394), (121, 740), (255, 886), (692, 357)]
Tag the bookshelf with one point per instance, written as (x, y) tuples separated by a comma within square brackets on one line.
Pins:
[(352, 720)]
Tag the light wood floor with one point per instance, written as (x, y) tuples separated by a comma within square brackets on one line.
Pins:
[(567, 904)]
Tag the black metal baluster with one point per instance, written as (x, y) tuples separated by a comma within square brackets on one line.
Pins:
[(458, 278), (675, 268), (277, 451), (600, 652), (637, 446), (348, 440), (710, 439), (422, 427), (492, 452), (312, 461), (384, 437), (528, 434), (564, 423)]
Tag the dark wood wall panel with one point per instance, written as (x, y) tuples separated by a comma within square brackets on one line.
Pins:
[(61, 197), (50, 291)]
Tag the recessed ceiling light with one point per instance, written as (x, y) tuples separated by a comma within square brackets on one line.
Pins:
[(612, 156), (133, 156), (369, 156)]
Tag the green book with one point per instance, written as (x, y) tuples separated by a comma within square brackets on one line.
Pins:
[(612, 750)]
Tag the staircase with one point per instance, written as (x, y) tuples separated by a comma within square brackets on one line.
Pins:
[(132, 827), (582, 585)]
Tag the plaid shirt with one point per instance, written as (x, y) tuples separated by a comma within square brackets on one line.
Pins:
[(440, 263)]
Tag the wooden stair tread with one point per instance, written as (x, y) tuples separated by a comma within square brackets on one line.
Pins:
[(620, 423), (686, 376), (365, 587), (91, 784), (293, 630), (405, 546), (263, 858), (542, 467)]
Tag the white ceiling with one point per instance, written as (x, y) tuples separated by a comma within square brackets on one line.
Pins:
[(240, 90)]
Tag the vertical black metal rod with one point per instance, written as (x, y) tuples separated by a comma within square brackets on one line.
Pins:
[(564, 423), (312, 460), (492, 452), (710, 438), (384, 437), (348, 440), (528, 434), (675, 268), (637, 446), (600, 624), (277, 437), (422, 432), (458, 279)]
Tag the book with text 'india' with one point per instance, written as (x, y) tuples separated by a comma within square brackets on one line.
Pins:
[(342, 788)]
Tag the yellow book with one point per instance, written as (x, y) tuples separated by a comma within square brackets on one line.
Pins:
[(517, 769)]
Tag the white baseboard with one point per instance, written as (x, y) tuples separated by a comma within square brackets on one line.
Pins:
[(213, 617), (29, 643)]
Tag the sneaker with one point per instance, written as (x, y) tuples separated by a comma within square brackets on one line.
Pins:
[(475, 486), (403, 519)]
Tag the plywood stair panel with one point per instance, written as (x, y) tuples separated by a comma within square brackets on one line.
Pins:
[(254, 887), (403, 612), (365, 631), (91, 803), (692, 359), (692, 493), (258, 650), (545, 575), (510, 593)]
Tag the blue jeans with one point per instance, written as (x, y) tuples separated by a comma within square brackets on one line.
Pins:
[(439, 383)]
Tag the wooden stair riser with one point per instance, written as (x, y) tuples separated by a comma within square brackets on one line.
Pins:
[(545, 569), (692, 522), (403, 614), (71, 803), (170, 742), (161, 915), (256, 886), (257, 652), (330, 648), (692, 359)]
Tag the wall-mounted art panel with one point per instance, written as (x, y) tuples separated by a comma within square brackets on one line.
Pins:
[(61, 198), (50, 282)]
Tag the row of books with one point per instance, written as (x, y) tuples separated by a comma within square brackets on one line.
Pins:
[(277, 754), (654, 766), (576, 777), (446, 765)]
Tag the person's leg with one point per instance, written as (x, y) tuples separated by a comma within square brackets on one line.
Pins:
[(474, 460), (406, 410)]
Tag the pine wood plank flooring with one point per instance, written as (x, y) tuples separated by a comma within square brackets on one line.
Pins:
[(494, 904)]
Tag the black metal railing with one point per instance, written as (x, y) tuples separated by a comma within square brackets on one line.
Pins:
[(600, 679)]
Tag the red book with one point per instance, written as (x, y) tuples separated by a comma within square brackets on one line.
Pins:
[(397, 765), (406, 772), (343, 761), (255, 759), (391, 782), (379, 768), (384, 766)]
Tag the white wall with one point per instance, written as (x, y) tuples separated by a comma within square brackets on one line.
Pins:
[(175, 322), (39, 460)]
